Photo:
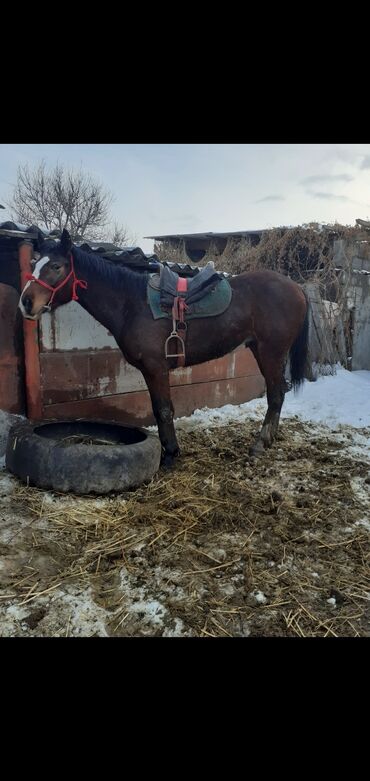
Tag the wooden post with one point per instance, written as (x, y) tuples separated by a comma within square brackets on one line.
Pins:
[(322, 349), (31, 343)]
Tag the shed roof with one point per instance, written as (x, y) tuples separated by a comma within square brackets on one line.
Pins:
[(127, 256), (208, 235)]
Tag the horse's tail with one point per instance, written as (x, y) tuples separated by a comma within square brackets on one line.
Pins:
[(299, 352)]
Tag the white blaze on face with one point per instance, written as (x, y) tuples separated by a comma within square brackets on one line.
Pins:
[(39, 265), (36, 273)]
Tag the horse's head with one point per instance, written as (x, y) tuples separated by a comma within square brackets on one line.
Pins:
[(53, 281)]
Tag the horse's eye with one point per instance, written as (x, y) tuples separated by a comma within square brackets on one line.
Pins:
[(55, 266)]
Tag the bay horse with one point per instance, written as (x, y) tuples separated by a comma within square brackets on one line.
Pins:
[(268, 313)]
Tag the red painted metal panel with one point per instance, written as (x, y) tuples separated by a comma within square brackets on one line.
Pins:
[(72, 376), (240, 363), (31, 343), (135, 408)]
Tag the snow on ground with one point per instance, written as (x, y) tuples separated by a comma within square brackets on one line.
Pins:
[(335, 400), (334, 404), (337, 407), (338, 400), (343, 398)]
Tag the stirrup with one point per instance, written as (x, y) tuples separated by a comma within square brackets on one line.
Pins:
[(174, 335)]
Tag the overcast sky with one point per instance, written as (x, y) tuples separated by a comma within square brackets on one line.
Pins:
[(188, 188)]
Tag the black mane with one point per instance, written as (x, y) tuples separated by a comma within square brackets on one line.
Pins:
[(118, 277)]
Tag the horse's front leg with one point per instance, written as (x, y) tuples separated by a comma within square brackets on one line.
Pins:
[(159, 389)]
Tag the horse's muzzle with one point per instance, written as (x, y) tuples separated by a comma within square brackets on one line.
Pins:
[(26, 306)]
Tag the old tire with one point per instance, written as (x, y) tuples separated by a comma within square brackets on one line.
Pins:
[(81, 456)]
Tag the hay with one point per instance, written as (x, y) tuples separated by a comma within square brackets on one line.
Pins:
[(85, 439), (229, 546)]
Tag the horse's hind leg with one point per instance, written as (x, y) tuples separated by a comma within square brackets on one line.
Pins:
[(272, 367), (159, 389)]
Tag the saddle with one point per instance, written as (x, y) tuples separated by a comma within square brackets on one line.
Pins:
[(179, 296), (197, 287)]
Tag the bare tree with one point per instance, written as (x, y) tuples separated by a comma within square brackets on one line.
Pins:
[(120, 236), (62, 198)]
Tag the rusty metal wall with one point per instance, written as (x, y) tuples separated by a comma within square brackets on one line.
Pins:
[(11, 352), (84, 374), (72, 388)]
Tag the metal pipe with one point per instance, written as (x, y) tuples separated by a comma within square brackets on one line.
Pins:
[(31, 343)]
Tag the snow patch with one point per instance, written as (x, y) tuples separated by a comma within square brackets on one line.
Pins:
[(364, 522), (337, 401), (259, 597)]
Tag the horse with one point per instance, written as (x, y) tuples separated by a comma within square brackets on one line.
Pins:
[(268, 313)]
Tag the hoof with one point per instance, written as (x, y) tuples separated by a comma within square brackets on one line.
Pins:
[(168, 460), (257, 449)]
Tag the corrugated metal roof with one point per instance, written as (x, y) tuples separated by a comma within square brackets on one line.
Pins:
[(133, 257), (16, 230), (209, 235)]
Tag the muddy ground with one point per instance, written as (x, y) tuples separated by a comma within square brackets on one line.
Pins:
[(221, 546)]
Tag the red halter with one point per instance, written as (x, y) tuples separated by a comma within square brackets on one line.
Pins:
[(75, 284)]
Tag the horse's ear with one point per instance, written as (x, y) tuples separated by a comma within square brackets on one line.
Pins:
[(65, 242), (40, 241)]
